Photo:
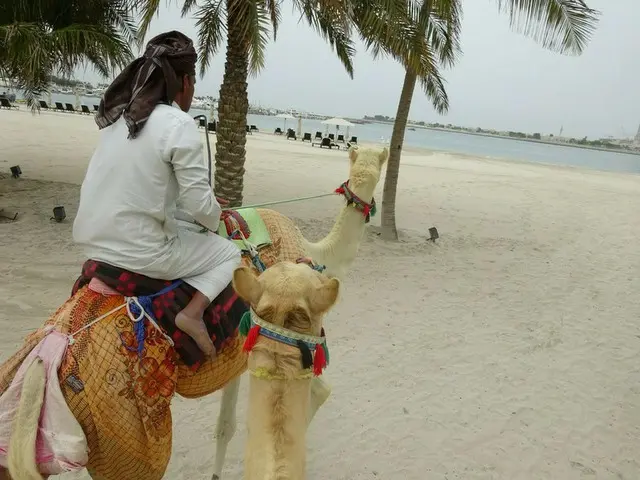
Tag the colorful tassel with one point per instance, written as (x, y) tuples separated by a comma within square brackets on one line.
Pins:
[(307, 359), (245, 324), (325, 346), (319, 360), (340, 190), (252, 338)]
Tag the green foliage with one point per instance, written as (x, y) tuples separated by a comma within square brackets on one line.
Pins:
[(41, 38)]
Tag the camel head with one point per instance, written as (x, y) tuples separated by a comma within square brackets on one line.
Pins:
[(365, 167), (288, 299)]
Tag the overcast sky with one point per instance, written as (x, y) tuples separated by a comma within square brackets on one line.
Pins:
[(503, 80)]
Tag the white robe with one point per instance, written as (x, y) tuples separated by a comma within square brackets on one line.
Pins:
[(129, 199)]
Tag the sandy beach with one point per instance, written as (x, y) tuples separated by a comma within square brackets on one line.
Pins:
[(507, 350)]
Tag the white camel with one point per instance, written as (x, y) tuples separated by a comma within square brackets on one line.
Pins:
[(336, 252), (288, 302)]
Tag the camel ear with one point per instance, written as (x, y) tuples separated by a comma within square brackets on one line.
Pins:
[(245, 283), (353, 154), (325, 296), (384, 155)]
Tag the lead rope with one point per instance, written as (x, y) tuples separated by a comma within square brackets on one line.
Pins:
[(251, 248)]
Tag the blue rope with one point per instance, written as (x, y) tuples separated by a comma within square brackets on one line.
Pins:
[(146, 301)]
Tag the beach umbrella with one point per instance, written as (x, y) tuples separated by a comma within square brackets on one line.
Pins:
[(338, 122), (285, 116)]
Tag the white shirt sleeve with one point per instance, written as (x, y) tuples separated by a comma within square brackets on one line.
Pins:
[(184, 151)]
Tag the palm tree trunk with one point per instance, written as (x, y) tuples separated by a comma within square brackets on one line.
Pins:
[(389, 230), (232, 112)]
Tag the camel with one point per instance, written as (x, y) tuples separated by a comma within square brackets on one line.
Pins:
[(288, 302), (100, 375)]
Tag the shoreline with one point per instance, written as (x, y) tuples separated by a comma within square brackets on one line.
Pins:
[(531, 140)]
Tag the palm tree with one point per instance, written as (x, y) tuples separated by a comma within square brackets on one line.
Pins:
[(563, 26), (40, 38), (248, 25)]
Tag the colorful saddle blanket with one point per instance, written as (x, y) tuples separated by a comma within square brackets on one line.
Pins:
[(245, 221)]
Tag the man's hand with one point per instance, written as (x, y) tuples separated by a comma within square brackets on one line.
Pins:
[(222, 201)]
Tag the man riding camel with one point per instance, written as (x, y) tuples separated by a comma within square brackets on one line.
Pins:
[(147, 165)]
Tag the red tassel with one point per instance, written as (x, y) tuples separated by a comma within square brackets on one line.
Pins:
[(252, 338), (366, 210), (319, 360), (340, 190)]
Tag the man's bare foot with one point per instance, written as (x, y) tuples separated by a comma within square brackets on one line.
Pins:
[(196, 329)]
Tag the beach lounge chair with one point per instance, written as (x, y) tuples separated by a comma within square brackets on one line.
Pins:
[(340, 138), (332, 137), (291, 134), (277, 131), (69, 108), (59, 107), (202, 123), (43, 105), (249, 130), (96, 107), (318, 136), (254, 128), (306, 137), (326, 142), (5, 103), (354, 140), (85, 110), (211, 127)]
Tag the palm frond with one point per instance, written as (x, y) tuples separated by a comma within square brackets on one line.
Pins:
[(211, 31), (257, 34), (443, 30), (564, 26), (434, 88), (187, 6), (121, 16), (148, 9), (330, 20)]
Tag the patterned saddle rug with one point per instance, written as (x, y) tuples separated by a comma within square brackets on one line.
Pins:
[(121, 395)]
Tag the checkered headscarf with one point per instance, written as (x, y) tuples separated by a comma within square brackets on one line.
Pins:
[(147, 81)]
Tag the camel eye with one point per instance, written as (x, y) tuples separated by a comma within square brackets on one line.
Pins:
[(298, 320)]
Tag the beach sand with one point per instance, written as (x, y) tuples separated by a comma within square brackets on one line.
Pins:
[(507, 350)]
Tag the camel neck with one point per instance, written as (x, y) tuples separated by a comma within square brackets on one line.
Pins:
[(339, 248), (277, 424)]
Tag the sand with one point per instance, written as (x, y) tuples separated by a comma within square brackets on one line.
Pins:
[(507, 350)]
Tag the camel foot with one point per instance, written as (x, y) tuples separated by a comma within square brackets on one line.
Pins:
[(196, 329)]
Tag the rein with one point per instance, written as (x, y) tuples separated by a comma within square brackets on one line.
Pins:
[(368, 209), (252, 326)]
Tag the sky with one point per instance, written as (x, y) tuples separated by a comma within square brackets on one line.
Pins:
[(503, 80)]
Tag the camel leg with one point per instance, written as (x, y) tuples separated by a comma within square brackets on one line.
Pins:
[(226, 427), (320, 391)]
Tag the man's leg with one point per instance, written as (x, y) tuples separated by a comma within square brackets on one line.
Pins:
[(220, 258), (189, 320)]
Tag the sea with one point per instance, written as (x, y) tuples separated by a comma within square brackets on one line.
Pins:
[(446, 141)]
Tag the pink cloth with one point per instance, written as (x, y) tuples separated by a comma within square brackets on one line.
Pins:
[(61, 445), (100, 287)]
